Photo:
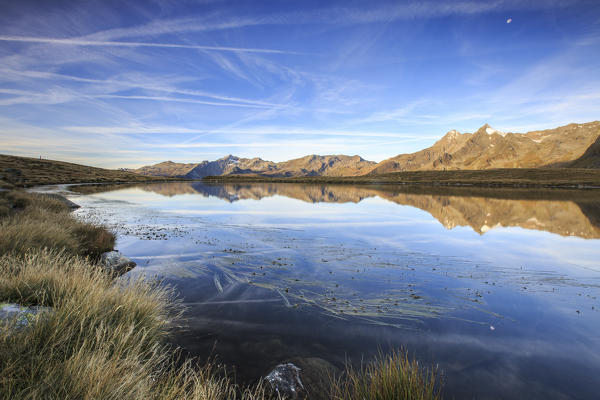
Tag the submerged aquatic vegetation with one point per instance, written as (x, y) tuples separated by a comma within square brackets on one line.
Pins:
[(392, 306)]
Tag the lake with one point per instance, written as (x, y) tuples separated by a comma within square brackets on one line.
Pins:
[(498, 288)]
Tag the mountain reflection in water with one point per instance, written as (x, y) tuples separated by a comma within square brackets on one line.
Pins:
[(273, 273), (481, 213)]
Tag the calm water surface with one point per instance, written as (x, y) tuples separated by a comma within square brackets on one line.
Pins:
[(502, 294)]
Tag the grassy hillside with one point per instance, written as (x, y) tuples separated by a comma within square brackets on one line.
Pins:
[(516, 177), (22, 172), (589, 159)]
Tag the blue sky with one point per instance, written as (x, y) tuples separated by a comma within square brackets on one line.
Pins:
[(129, 83)]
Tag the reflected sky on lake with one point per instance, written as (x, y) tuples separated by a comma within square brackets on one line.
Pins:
[(500, 290)]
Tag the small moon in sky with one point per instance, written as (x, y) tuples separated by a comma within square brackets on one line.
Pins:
[(508, 21)]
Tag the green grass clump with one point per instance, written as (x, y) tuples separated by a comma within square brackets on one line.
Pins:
[(389, 377)]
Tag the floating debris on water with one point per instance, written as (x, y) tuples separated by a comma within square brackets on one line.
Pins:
[(218, 283), (285, 299)]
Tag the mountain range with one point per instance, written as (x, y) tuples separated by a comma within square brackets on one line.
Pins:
[(569, 146)]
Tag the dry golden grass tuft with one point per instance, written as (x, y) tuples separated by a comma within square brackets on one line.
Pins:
[(394, 376), (101, 341), (34, 221)]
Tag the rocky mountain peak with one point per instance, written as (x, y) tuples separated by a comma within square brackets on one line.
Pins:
[(453, 134), (483, 130), (489, 148), (488, 130)]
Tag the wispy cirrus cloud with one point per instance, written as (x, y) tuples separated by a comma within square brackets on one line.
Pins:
[(256, 130), (375, 79), (108, 88), (80, 42), (125, 81), (52, 96), (180, 100), (333, 15)]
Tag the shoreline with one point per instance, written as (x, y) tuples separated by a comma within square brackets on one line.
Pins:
[(496, 192), (125, 327), (52, 261), (518, 178)]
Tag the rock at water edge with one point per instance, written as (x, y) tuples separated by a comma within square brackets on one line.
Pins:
[(284, 380), (116, 263)]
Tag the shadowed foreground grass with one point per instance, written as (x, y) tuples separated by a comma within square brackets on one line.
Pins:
[(106, 338)]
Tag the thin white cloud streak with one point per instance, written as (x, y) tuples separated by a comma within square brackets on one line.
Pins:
[(330, 16), (79, 42), (414, 10), (230, 67), (199, 93), (393, 115), (324, 144), (179, 100), (7, 73), (53, 96), (269, 130), (143, 82), (178, 25), (59, 96)]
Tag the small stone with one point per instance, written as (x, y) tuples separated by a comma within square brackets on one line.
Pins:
[(284, 380), (116, 263), (20, 315)]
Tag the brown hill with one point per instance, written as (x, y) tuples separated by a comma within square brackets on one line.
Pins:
[(488, 148), (589, 159), (24, 171), (330, 165), (167, 168), (223, 166)]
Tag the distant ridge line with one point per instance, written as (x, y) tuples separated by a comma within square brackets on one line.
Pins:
[(570, 146)]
